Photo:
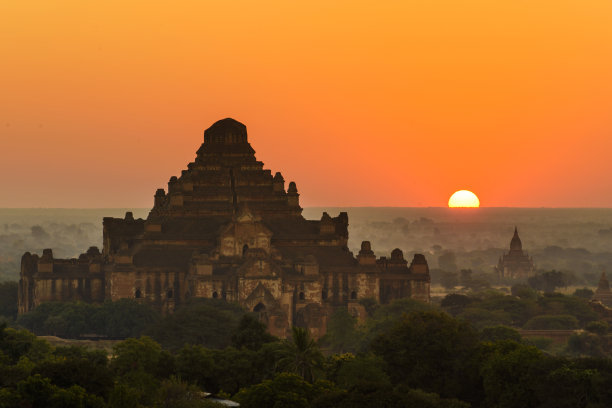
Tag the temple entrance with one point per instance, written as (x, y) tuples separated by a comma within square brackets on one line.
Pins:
[(262, 314)]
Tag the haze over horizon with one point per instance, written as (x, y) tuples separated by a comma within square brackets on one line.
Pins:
[(394, 105)]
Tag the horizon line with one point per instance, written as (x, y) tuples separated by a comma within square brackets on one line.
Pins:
[(329, 206)]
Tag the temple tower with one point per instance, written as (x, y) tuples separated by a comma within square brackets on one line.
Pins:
[(516, 264)]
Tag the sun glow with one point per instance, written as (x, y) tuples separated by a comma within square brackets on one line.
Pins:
[(463, 198)]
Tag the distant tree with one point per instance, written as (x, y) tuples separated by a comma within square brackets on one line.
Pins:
[(38, 392), (506, 375), (341, 335), (137, 363), (447, 261), (209, 322), (300, 355), (348, 370), (548, 281), (196, 365), (175, 393), (598, 327), (448, 279), (455, 303), (39, 233), (498, 333), (141, 354), (370, 305), (465, 277), (557, 303), (586, 344), (78, 366), (251, 334), (552, 322), (119, 319), (284, 391), (584, 293), (8, 299), (234, 369), (17, 344), (431, 351), (482, 317), (523, 291)]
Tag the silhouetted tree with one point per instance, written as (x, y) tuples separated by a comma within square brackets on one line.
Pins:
[(300, 354), (547, 281), (251, 334)]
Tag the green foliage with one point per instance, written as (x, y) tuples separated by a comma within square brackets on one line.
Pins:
[(552, 322), (39, 392), (505, 375), (523, 291), (548, 281), (78, 366), (370, 305), (419, 358), (341, 335), (226, 370), (251, 334), (589, 344), (598, 327), (481, 318), (430, 351), (286, 390), (141, 354), (120, 319), (411, 398), (542, 343), (455, 303), (584, 293), (8, 299), (497, 333), (567, 305), (448, 280), (196, 364), (175, 393), (19, 344), (300, 355), (124, 396), (208, 322), (348, 370), (494, 308), (385, 317)]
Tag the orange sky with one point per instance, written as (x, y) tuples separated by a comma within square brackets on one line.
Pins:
[(387, 103)]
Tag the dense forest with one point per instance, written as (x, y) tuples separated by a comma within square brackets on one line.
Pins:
[(465, 351)]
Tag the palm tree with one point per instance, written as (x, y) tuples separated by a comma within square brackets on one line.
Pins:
[(300, 354)]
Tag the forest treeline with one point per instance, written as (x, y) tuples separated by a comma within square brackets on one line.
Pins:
[(525, 307), (413, 356)]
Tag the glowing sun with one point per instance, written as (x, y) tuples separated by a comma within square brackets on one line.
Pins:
[(463, 198)]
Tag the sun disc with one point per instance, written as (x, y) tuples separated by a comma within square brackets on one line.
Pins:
[(463, 199)]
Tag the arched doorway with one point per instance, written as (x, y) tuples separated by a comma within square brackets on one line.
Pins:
[(262, 313)]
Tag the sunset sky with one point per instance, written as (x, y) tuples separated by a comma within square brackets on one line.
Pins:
[(386, 103)]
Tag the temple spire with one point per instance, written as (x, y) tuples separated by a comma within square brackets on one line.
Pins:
[(515, 243)]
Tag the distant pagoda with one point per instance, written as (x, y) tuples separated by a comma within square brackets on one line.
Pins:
[(603, 292), (516, 264)]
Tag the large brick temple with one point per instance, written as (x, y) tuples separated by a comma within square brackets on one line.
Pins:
[(227, 228)]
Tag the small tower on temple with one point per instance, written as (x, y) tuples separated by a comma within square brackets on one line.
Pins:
[(603, 292), (516, 264)]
